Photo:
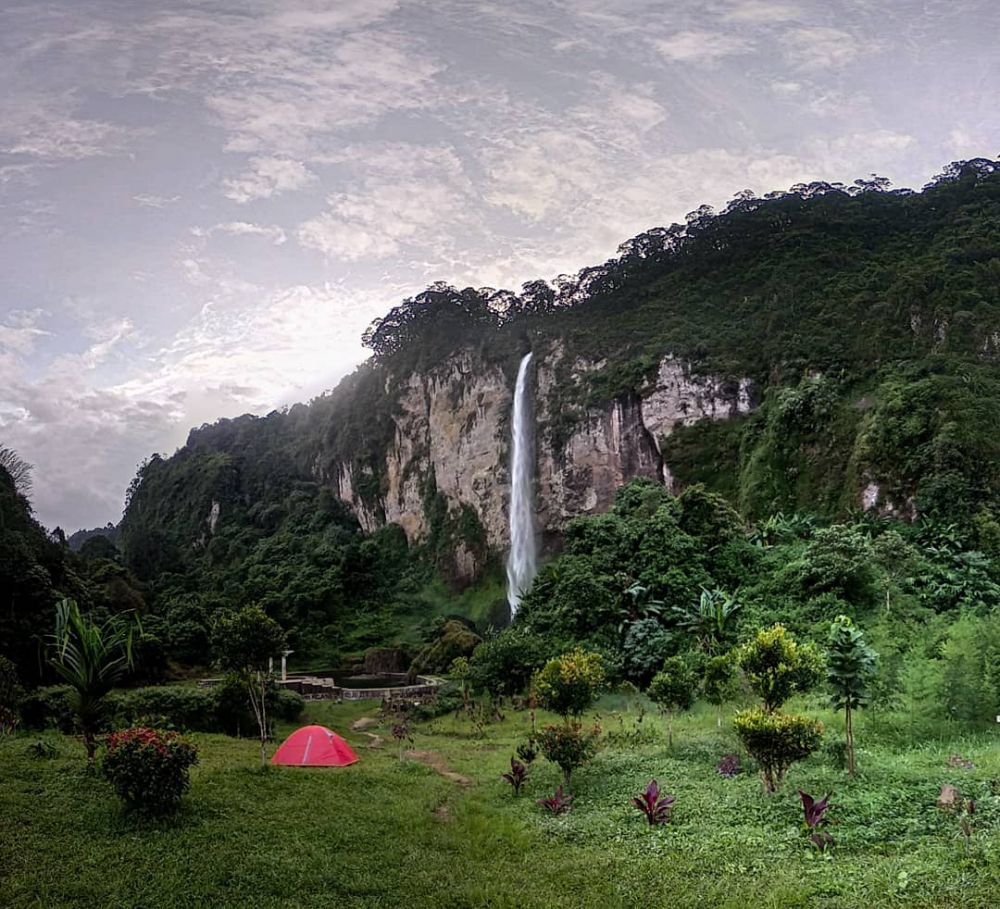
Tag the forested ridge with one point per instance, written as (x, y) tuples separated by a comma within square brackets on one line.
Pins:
[(868, 319)]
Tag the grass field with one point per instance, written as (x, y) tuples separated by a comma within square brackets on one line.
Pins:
[(389, 834)]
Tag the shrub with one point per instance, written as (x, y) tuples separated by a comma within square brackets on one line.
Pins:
[(654, 806), (455, 639), (517, 776), (504, 665), (719, 682), (528, 751), (287, 705), (177, 706), (10, 696), (673, 688), (232, 713), (729, 766), (568, 747), (569, 684), (41, 750), (558, 803), (46, 708), (776, 741), (647, 644), (776, 666), (149, 769)]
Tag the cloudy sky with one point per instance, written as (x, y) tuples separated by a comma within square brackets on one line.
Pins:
[(203, 203)]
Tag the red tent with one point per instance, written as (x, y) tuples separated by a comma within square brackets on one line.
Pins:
[(314, 746)]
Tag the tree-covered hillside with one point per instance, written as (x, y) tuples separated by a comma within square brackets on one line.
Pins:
[(867, 319)]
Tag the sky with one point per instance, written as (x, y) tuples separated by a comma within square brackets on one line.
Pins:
[(203, 204)]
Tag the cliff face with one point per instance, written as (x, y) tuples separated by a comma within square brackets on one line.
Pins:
[(452, 425)]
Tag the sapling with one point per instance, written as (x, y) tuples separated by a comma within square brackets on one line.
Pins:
[(672, 689), (850, 666)]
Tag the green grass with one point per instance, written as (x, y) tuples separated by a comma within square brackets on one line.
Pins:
[(391, 834)]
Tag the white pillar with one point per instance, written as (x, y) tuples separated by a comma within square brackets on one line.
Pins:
[(284, 665)]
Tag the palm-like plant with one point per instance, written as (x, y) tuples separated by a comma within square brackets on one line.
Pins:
[(712, 621), (91, 658), (637, 604)]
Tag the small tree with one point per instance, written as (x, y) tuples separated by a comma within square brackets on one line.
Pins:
[(719, 683), (569, 684), (776, 666), (673, 688), (776, 741), (245, 641), (568, 746), (850, 665), (91, 658)]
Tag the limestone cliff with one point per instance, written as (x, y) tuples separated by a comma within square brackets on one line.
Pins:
[(452, 424)]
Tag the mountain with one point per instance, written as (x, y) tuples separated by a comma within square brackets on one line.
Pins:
[(76, 540), (828, 350)]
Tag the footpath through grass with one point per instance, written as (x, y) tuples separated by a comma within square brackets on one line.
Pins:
[(390, 834)]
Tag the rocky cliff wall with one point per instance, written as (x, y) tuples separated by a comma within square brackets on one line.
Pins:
[(452, 423)]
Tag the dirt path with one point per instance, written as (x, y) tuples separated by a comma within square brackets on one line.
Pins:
[(434, 760)]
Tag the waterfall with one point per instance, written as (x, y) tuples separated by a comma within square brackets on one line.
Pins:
[(521, 563)]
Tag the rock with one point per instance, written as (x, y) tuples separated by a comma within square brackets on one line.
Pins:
[(948, 799), (384, 659), (434, 760), (366, 722), (376, 740)]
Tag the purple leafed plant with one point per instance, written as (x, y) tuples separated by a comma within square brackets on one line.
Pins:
[(821, 840), (656, 807), (729, 766), (516, 776), (558, 803), (815, 818)]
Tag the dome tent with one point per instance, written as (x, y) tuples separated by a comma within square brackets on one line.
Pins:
[(314, 746)]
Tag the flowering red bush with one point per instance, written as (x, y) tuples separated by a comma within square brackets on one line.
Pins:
[(149, 768)]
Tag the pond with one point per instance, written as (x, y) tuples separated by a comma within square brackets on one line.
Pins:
[(346, 678)]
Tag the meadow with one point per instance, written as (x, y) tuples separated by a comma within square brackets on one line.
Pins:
[(392, 833)]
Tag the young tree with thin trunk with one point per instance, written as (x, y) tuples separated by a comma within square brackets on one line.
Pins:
[(91, 658), (673, 688), (245, 642), (850, 665)]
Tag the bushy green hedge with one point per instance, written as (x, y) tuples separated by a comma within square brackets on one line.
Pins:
[(215, 709), (48, 708)]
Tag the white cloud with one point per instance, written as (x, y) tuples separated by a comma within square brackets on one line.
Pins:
[(698, 46), (19, 333), (48, 127), (785, 88), (823, 48), (244, 229), (267, 177), (409, 194), (755, 12), (151, 200), (541, 173)]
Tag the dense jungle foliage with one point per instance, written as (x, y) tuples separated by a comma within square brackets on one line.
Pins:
[(868, 320)]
